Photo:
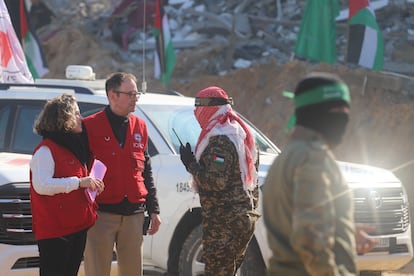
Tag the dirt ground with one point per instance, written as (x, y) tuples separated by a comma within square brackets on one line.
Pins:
[(381, 128)]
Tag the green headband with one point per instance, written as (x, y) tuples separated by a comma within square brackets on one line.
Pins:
[(321, 94), (318, 95)]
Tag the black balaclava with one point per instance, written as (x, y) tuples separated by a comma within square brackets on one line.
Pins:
[(331, 125)]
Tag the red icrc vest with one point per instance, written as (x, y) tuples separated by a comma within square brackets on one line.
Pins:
[(64, 213), (125, 165)]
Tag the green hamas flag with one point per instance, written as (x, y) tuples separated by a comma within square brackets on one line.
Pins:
[(317, 36)]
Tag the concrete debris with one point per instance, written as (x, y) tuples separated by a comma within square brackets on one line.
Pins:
[(248, 27), (242, 63)]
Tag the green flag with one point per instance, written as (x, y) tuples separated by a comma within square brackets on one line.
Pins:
[(317, 36)]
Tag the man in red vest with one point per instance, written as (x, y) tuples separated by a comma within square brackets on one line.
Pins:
[(119, 139)]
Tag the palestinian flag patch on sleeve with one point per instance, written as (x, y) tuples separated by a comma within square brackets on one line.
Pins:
[(218, 159)]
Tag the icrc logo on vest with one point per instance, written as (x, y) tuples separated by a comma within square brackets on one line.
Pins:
[(138, 139)]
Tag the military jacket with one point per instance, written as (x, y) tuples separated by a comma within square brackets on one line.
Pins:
[(308, 211), (218, 179)]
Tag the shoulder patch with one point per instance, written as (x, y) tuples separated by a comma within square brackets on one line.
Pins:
[(218, 159)]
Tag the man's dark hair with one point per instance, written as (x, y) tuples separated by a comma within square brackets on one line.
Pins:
[(115, 80)]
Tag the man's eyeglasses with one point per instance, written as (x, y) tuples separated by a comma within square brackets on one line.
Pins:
[(130, 94)]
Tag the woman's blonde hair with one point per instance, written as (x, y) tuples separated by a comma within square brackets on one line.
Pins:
[(57, 115)]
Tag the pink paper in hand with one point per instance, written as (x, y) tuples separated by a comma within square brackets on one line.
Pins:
[(98, 171)]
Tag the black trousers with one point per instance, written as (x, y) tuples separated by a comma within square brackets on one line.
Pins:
[(62, 256)]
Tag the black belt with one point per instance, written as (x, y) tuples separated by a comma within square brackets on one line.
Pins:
[(124, 207)]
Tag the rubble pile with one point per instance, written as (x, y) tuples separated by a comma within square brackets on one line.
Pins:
[(223, 35)]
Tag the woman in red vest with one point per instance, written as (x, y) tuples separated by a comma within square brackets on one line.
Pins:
[(61, 211)]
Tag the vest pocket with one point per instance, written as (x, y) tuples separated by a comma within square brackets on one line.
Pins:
[(138, 162), (74, 212)]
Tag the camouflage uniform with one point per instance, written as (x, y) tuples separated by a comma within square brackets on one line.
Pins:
[(228, 211), (308, 211)]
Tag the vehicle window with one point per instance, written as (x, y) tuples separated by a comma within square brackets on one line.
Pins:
[(87, 109), (24, 139), (4, 118), (179, 118), (264, 143), (182, 120)]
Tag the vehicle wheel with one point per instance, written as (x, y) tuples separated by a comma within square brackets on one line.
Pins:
[(370, 273), (189, 262), (190, 258)]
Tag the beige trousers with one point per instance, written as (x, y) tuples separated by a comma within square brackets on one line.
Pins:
[(125, 232)]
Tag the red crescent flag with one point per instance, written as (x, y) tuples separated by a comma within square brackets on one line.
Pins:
[(13, 67)]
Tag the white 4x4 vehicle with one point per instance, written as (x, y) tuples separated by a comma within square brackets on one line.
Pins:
[(380, 198)]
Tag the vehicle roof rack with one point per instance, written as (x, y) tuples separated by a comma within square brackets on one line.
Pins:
[(77, 89)]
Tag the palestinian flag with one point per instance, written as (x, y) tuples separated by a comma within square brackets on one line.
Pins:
[(317, 35), (31, 46), (164, 60), (13, 66), (365, 41)]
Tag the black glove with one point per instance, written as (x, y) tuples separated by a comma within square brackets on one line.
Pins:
[(187, 156)]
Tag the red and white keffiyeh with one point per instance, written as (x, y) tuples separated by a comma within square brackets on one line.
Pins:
[(222, 120)]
